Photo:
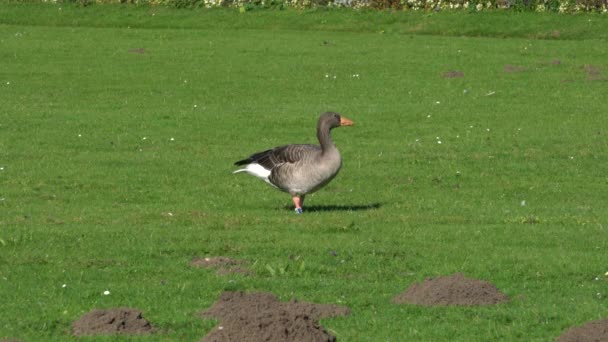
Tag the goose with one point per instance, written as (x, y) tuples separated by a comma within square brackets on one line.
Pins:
[(299, 169)]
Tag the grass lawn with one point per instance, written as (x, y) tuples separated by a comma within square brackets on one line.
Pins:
[(119, 127)]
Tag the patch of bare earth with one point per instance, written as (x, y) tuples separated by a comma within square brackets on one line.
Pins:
[(451, 290), (138, 50), (513, 68), (594, 73), (252, 317), (593, 331), (551, 62), (452, 74), (223, 265), (112, 321)]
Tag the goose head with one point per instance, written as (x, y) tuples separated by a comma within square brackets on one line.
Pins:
[(331, 120)]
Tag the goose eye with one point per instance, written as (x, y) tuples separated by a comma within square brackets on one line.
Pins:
[(337, 117)]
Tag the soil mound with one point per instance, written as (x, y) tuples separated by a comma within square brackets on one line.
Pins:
[(594, 73), (452, 74), (508, 68), (594, 331), (452, 290), (261, 317), (223, 265), (112, 321)]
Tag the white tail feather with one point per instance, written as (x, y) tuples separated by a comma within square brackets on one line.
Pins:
[(258, 171)]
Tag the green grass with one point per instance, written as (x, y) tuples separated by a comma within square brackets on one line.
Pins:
[(116, 166)]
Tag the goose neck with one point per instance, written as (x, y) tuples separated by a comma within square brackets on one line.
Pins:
[(323, 134)]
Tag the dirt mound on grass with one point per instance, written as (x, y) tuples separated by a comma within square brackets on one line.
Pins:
[(508, 68), (452, 74), (451, 290), (594, 73), (112, 321), (223, 265), (593, 331), (261, 317)]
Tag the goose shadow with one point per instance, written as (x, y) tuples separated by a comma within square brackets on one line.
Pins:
[(338, 207)]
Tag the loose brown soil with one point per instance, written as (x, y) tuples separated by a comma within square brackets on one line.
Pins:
[(452, 74), (513, 68), (551, 62), (594, 331), (112, 321), (594, 73), (138, 50), (261, 317), (451, 290), (223, 265)]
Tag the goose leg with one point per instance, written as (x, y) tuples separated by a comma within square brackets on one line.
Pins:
[(298, 203)]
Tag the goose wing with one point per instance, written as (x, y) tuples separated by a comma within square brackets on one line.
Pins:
[(278, 156)]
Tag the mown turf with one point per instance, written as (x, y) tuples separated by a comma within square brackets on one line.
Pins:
[(117, 142)]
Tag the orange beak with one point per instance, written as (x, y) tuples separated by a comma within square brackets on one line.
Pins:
[(345, 122)]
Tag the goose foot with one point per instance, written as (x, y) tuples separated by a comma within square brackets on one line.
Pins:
[(298, 203)]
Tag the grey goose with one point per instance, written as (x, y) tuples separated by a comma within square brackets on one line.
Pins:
[(299, 169)]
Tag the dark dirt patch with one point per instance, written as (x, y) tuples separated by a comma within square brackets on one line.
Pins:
[(593, 331), (551, 62), (223, 265), (452, 74), (138, 50), (451, 290), (592, 70), (594, 73), (514, 68), (112, 321), (261, 317)]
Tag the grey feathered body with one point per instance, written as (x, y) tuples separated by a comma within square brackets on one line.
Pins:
[(298, 169)]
